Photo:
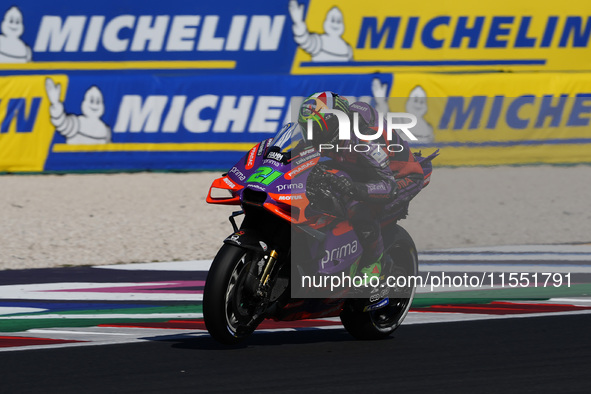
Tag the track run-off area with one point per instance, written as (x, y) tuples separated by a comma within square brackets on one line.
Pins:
[(138, 328)]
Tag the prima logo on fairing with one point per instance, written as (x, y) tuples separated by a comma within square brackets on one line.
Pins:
[(290, 186), (238, 173), (339, 253)]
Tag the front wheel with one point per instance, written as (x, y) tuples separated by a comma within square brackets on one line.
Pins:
[(229, 305), (382, 322)]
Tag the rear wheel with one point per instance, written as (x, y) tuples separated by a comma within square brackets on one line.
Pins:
[(380, 323), (229, 303)]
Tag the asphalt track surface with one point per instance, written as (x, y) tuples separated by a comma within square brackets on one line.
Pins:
[(533, 355), (525, 346)]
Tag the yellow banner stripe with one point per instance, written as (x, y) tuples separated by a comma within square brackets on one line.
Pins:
[(157, 147), (133, 65), (522, 154)]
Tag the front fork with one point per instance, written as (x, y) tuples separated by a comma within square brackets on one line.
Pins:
[(261, 286), (271, 257)]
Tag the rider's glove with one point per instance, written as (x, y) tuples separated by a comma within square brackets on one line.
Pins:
[(316, 188), (346, 187), (317, 194), (341, 185)]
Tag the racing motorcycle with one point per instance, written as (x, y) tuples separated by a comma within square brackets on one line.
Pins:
[(253, 274)]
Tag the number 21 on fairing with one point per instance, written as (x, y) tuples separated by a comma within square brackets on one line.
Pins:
[(264, 175)]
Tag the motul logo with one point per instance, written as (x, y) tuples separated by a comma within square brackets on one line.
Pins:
[(290, 197)]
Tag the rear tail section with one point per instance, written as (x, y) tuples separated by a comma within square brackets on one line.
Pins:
[(426, 165)]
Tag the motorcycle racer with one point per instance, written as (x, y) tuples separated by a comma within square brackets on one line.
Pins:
[(307, 222), (374, 189)]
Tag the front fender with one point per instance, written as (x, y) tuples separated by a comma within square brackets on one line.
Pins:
[(248, 239)]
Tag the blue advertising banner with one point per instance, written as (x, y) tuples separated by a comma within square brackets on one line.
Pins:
[(176, 85), (140, 122), (295, 36), (232, 36)]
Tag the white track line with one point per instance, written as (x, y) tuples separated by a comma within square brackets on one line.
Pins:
[(540, 268), (193, 265)]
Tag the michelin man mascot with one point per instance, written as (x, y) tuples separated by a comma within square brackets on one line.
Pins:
[(327, 47), (417, 105), (12, 48), (84, 129)]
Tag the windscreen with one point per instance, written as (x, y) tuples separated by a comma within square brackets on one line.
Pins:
[(288, 138)]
